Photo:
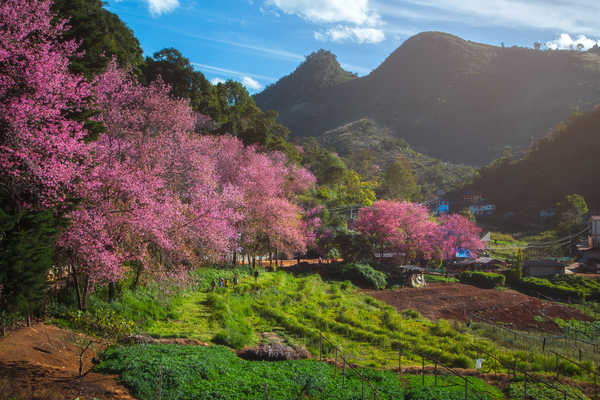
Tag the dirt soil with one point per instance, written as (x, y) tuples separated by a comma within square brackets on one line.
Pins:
[(42, 362), (455, 301)]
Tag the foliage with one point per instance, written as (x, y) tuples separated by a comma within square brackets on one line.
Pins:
[(363, 275), (430, 278), (571, 213), (540, 184), (540, 391), (486, 280), (101, 34), (26, 254), (399, 181), (41, 149), (408, 228), (535, 286), (101, 322), (298, 308), (217, 373)]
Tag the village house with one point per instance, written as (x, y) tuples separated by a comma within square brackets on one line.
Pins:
[(483, 209), (543, 268)]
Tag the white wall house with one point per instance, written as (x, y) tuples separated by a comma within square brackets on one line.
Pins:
[(483, 209)]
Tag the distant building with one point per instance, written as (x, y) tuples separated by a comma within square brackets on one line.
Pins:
[(471, 197), (543, 268), (443, 207), (547, 213), (595, 231), (483, 209)]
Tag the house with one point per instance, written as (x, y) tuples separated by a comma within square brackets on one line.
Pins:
[(547, 213), (483, 209), (595, 231), (471, 197), (443, 207), (542, 268)]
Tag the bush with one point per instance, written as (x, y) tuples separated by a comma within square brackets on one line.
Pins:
[(486, 280), (536, 286), (513, 276), (364, 275)]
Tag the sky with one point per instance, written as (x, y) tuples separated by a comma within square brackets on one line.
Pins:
[(256, 42)]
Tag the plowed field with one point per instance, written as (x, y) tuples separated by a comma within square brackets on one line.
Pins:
[(455, 301)]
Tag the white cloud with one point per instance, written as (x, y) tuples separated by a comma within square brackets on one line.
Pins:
[(579, 16), (250, 83), (355, 34), (329, 11), (225, 71), (566, 42), (158, 7), (217, 80)]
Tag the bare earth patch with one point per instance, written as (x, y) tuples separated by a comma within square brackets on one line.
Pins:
[(455, 301), (42, 362)]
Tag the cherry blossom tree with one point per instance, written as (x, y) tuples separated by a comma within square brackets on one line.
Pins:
[(41, 149), (458, 231), (399, 226)]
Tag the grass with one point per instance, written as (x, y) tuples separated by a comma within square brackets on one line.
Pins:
[(299, 308), (215, 372)]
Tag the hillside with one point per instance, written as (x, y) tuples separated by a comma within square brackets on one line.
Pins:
[(562, 163), (449, 98), (364, 139)]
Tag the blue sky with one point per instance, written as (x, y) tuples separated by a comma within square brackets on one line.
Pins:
[(258, 41)]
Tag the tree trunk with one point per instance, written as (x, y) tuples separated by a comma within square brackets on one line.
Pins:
[(28, 319), (234, 261), (253, 261), (2, 328), (111, 292), (136, 281), (81, 288), (270, 259)]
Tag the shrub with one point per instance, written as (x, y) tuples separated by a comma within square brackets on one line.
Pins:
[(536, 286), (364, 275), (236, 333), (486, 280)]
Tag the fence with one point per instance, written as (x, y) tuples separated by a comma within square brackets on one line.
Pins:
[(566, 345), (527, 377)]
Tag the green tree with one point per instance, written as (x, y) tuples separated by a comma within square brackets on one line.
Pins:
[(571, 213), (102, 35), (399, 181), (26, 254), (185, 81)]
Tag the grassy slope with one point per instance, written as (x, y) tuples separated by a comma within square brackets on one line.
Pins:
[(298, 308)]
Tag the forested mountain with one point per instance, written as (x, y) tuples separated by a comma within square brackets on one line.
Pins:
[(366, 147), (449, 98), (557, 165)]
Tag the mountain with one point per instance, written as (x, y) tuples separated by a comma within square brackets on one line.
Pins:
[(449, 98), (562, 163), (363, 140)]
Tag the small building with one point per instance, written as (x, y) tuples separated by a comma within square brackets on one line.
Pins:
[(547, 213), (483, 209), (471, 197), (595, 231), (443, 207), (543, 268)]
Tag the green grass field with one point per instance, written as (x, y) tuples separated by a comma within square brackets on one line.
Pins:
[(215, 372)]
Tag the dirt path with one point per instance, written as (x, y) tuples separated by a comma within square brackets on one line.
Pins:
[(456, 301), (42, 362)]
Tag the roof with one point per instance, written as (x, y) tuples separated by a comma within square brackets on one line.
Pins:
[(487, 237), (595, 217)]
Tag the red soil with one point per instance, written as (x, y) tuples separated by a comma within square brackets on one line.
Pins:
[(42, 362), (455, 301)]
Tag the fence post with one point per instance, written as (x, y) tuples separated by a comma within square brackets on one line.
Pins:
[(399, 363), (335, 365), (362, 396), (320, 346), (423, 370), (556, 364), (544, 344), (343, 372), (524, 387), (266, 390), (435, 374), (580, 354), (466, 389), (159, 381)]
